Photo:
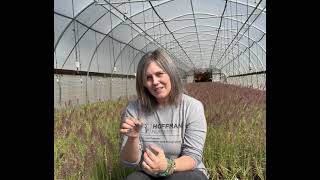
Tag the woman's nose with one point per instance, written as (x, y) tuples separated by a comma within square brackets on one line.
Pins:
[(155, 80)]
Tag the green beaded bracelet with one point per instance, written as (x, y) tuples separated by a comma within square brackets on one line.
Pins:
[(170, 168)]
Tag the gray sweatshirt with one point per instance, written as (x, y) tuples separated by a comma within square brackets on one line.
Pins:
[(177, 130)]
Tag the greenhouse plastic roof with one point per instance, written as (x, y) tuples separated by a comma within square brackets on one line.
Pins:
[(100, 35)]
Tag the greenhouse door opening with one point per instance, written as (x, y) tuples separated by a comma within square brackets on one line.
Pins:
[(203, 76)]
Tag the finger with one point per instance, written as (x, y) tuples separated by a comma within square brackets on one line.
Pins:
[(155, 148), (146, 167), (136, 122), (150, 154), (126, 126), (147, 159), (125, 130), (142, 121), (129, 121)]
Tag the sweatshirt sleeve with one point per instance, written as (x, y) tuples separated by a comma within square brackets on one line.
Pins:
[(130, 111), (195, 134)]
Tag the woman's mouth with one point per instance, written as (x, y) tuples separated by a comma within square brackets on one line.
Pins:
[(158, 89)]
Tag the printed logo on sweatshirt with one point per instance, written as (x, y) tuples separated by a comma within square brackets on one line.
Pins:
[(157, 127), (161, 133)]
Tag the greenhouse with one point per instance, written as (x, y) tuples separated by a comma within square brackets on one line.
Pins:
[(98, 43), (219, 48)]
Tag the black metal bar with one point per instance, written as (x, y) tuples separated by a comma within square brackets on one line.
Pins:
[(214, 46), (84, 73), (195, 25), (239, 32), (248, 74), (171, 33)]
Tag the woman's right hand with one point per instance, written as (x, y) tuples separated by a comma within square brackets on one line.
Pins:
[(131, 127)]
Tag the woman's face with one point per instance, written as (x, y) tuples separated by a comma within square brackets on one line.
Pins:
[(158, 82)]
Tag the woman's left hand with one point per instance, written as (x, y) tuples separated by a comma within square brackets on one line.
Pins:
[(154, 160)]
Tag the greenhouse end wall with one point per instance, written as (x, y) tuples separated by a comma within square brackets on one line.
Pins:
[(70, 90), (257, 81)]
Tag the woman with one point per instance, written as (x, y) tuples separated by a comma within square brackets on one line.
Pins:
[(164, 130)]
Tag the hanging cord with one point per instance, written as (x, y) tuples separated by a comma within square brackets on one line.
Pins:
[(144, 25), (224, 36), (134, 65), (248, 37), (110, 44), (227, 31), (249, 43), (121, 59), (154, 34), (160, 30), (125, 11), (58, 79), (75, 37), (238, 55), (59, 85), (113, 68), (57, 76), (114, 62), (78, 44), (97, 54), (232, 35), (55, 54), (130, 49), (78, 49), (167, 39)]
